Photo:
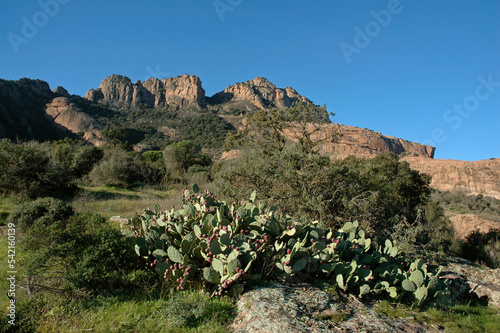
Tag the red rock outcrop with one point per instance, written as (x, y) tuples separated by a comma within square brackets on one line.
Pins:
[(68, 117), (180, 91), (362, 142), (260, 93), (472, 177), (465, 224)]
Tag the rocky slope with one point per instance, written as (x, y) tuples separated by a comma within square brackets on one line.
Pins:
[(362, 142), (22, 110), (465, 224)]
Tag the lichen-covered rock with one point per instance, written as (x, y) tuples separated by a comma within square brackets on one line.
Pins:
[(481, 281), (304, 308)]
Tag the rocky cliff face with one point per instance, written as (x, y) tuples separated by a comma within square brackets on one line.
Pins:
[(477, 177), (362, 142), (180, 91), (69, 118), (259, 93)]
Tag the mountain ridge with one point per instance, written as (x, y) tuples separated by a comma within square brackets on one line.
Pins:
[(159, 109)]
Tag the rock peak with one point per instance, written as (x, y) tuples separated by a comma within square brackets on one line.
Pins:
[(181, 91), (261, 93)]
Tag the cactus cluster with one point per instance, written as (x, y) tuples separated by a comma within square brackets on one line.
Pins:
[(220, 247)]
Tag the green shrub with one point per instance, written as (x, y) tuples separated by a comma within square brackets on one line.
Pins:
[(115, 169), (462, 202), (483, 248), (28, 170), (187, 309), (150, 167), (41, 212), (69, 252), (76, 158)]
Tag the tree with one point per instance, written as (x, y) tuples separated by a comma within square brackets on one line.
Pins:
[(273, 129), (279, 161), (183, 154)]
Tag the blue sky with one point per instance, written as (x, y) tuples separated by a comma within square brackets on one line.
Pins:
[(426, 71)]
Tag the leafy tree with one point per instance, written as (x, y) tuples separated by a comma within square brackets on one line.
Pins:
[(279, 161), (183, 154), (116, 136), (75, 157)]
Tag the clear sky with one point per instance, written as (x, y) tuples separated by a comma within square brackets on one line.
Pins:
[(426, 71)]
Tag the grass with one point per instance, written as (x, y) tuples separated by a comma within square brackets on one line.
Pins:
[(141, 315), (108, 201), (458, 318), (7, 205)]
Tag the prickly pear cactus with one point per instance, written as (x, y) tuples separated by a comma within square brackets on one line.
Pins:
[(220, 247)]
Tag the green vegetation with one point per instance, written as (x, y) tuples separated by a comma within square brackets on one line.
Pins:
[(78, 271), (383, 193), (147, 125), (459, 202), (27, 169)]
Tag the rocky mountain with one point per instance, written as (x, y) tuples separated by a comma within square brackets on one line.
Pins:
[(258, 93), (160, 111), (178, 92), (362, 142), (68, 117)]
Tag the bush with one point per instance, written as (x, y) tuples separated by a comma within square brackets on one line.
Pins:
[(69, 251), (28, 170), (483, 248), (100, 258), (115, 169), (75, 158), (462, 202), (187, 309), (150, 167), (380, 191), (40, 213)]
